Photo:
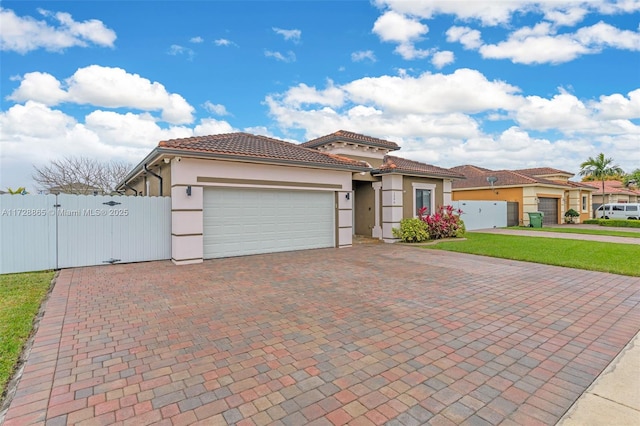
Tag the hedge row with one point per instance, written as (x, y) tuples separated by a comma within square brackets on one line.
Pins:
[(622, 223)]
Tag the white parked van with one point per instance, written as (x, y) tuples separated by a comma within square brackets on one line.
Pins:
[(618, 211)]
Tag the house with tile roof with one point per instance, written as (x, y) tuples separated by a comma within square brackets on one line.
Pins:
[(237, 194), (614, 192), (542, 189)]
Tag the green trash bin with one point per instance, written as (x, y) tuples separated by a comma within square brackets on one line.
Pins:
[(535, 219)]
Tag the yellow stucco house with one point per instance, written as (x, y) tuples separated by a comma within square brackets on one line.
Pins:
[(542, 189)]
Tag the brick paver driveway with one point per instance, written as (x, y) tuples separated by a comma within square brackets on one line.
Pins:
[(369, 335)]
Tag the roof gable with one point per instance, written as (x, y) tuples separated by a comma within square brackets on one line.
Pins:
[(477, 177), (393, 164), (258, 148), (351, 137)]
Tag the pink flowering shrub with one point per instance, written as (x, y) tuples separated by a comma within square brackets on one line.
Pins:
[(444, 223)]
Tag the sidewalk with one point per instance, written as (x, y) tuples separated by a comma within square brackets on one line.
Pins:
[(614, 397), (566, 236)]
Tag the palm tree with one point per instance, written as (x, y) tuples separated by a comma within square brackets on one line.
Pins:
[(600, 168), (632, 179)]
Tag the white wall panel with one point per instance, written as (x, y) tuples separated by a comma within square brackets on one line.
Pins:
[(82, 231), (27, 233)]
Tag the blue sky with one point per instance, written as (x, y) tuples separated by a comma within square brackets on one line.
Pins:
[(504, 84)]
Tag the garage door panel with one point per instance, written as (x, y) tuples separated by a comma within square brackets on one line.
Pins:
[(549, 206), (240, 221)]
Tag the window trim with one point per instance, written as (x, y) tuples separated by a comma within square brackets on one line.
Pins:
[(585, 204), (429, 186)]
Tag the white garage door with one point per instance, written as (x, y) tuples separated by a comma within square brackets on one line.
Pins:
[(239, 221)]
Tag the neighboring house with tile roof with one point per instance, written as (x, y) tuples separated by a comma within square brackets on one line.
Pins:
[(237, 193), (537, 189), (614, 192)]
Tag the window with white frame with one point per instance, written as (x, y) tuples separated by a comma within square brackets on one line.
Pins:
[(584, 203), (424, 195)]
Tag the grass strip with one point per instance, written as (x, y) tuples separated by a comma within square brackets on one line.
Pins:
[(589, 255), (571, 230), (20, 299)]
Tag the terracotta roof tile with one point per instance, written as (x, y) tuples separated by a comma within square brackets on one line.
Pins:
[(478, 179), (541, 171), (392, 164), (345, 136), (611, 187), (469, 169), (259, 148)]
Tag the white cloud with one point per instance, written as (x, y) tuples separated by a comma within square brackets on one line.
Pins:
[(442, 59), (468, 37), (572, 116), (541, 44), (439, 118), (210, 126), (196, 40), (176, 49), (34, 119), (224, 42), (293, 35), (536, 50), (105, 87), (289, 57), (501, 12), (618, 106), (394, 27), (33, 134), (217, 109), (464, 90), (39, 87), (130, 130), (115, 88), (25, 34), (362, 55), (487, 12), (605, 35), (304, 95), (401, 22), (397, 28)]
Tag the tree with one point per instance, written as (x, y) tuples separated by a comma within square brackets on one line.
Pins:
[(599, 168), (632, 179), (80, 175)]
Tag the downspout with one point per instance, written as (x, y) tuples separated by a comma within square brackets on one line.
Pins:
[(153, 174), (126, 185)]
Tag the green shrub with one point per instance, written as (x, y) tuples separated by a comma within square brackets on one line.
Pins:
[(622, 223), (444, 223), (570, 215), (461, 228), (412, 230)]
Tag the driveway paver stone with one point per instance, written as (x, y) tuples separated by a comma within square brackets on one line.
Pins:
[(375, 334)]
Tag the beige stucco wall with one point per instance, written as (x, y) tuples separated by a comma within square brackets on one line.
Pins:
[(532, 193), (408, 193), (140, 184), (200, 174)]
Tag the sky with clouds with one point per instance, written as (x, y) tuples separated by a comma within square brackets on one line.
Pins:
[(499, 84)]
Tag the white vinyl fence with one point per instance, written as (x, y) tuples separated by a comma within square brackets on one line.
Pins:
[(482, 214), (39, 232)]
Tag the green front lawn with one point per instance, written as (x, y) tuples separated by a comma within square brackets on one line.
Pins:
[(20, 299), (590, 255), (577, 230)]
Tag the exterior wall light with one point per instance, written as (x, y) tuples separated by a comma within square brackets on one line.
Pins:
[(189, 190)]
